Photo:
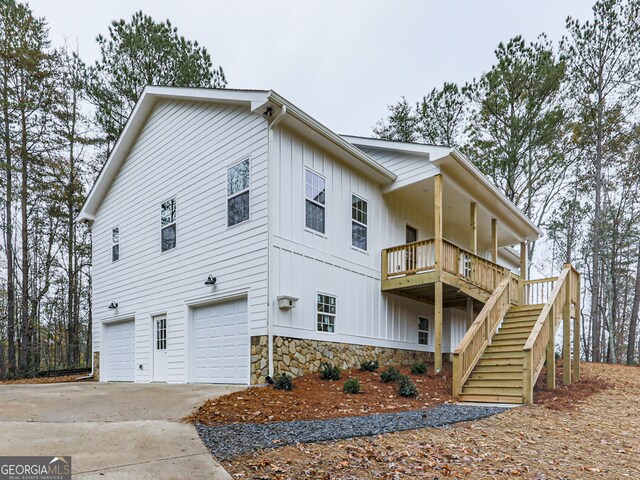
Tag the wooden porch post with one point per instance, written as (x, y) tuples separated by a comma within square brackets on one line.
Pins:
[(437, 215), (438, 320), (551, 354), (576, 332), (473, 214), (494, 240), (470, 316), (566, 332), (523, 260)]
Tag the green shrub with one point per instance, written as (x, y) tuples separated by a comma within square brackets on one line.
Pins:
[(390, 375), (352, 386), (282, 381), (329, 371), (419, 368), (369, 366), (406, 387)]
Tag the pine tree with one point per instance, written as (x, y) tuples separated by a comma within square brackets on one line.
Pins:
[(139, 53)]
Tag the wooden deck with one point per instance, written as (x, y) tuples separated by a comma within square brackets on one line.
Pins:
[(411, 270)]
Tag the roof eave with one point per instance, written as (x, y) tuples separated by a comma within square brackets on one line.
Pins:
[(385, 175)]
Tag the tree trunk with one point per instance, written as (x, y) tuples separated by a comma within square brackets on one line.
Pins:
[(631, 345), (25, 331), (595, 258)]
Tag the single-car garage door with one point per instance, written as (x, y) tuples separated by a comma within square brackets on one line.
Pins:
[(120, 350), (220, 343)]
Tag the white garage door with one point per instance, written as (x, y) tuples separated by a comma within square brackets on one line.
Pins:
[(220, 343), (120, 338)]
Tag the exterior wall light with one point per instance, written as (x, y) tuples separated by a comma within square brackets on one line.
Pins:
[(113, 305), (211, 280)]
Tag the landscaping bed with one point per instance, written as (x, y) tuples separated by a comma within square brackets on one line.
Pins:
[(232, 440), (594, 437), (313, 398)]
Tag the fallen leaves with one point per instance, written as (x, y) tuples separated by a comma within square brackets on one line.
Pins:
[(535, 442)]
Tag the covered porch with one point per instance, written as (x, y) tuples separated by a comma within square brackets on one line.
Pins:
[(463, 250)]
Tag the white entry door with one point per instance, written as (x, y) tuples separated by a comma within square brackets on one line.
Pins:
[(120, 350), (220, 343), (160, 348)]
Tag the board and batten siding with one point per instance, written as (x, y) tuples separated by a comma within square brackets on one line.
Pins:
[(183, 151), (305, 262)]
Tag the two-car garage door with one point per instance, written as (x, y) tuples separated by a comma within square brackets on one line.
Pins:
[(220, 343)]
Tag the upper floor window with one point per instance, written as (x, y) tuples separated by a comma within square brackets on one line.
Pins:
[(358, 222), (168, 231), (238, 180), (314, 201), (423, 331), (115, 244), (326, 313)]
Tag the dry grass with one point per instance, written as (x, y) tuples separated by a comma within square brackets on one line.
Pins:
[(595, 437)]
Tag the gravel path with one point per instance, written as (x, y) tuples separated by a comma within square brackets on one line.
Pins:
[(228, 441)]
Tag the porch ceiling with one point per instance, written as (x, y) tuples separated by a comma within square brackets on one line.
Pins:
[(456, 219)]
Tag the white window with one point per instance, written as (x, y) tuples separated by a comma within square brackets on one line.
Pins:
[(168, 231), (423, 331), (326, 311), (358, 222), (161, 333), (314, 201), (238, 180), (115, 244)]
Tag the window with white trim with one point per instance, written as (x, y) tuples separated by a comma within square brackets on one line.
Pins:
[(326, 313), (161, 333), (168, 232), (115, 244), (314, 201), (238, 195), (423, 331), (358, 222)]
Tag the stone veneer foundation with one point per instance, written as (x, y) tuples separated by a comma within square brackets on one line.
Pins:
[(96, 366), (298, 356)]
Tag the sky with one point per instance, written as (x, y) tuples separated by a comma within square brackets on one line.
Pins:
[(341, 61)]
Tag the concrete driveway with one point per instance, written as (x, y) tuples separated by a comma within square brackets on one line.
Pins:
[(113, 430)]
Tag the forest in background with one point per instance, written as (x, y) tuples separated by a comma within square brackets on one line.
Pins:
[(556, 127), (553, 125)]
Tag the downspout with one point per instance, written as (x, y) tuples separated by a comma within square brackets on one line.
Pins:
[(272, 125)]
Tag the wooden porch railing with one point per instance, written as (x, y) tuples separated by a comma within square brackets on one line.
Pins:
[(418, 257), (538, 291), (540, 345), (478, 336), (409, 259)]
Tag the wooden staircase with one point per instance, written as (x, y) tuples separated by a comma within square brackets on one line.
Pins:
[(498, 375), (504, 350)]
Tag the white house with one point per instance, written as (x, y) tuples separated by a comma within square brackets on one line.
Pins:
[(235, 235)]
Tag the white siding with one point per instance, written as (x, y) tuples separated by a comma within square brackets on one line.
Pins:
[(184, 151), (305, 262), (405, 165)]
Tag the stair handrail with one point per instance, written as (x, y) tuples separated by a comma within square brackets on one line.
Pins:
[(479, 334), (535, 349)]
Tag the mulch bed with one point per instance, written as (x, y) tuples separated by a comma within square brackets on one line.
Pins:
[(313, 399), (43, 380), (567, 397)]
